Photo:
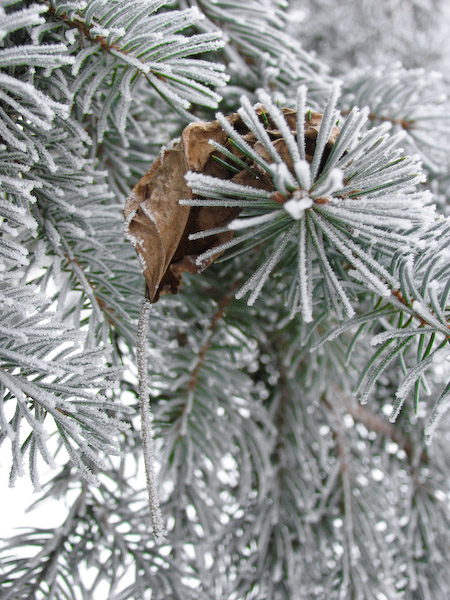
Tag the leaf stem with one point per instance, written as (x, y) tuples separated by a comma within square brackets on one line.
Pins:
[(146, 423)]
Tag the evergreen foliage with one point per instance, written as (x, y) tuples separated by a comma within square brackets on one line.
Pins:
[(299, 385)]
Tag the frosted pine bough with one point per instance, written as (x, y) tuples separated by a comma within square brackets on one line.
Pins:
[(331, 211), (413, 101), (291, 495)]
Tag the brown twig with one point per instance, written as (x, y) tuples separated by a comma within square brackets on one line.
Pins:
[(376, 423), (218, 314), (77, 23), (405, 123), (201, 355), (86, 32)]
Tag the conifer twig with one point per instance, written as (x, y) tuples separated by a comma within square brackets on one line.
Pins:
[(146, 424), (379, 425), (201, 355), (77, 22)]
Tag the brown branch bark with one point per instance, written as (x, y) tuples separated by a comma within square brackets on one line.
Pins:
[(84, 30), (218, 314), (376, 423)]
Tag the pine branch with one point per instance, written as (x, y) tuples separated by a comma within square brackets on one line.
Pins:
[(77, 22), (260, 51), (315, 203), (115, 45), (375, 118), (303, 188), (414, 101), (422, 320)]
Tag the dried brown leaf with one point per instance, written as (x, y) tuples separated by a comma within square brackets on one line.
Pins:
[(159, 226)]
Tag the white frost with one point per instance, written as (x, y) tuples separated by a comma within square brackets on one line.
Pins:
[(297, 205)]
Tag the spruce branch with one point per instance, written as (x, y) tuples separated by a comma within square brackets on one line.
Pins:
[(413, 100), (259, 50), (104, 528), (114, 45), (75, 21), (43, 378), (325, 222)]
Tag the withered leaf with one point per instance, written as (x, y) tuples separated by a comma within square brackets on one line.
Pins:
[(159, 226)]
